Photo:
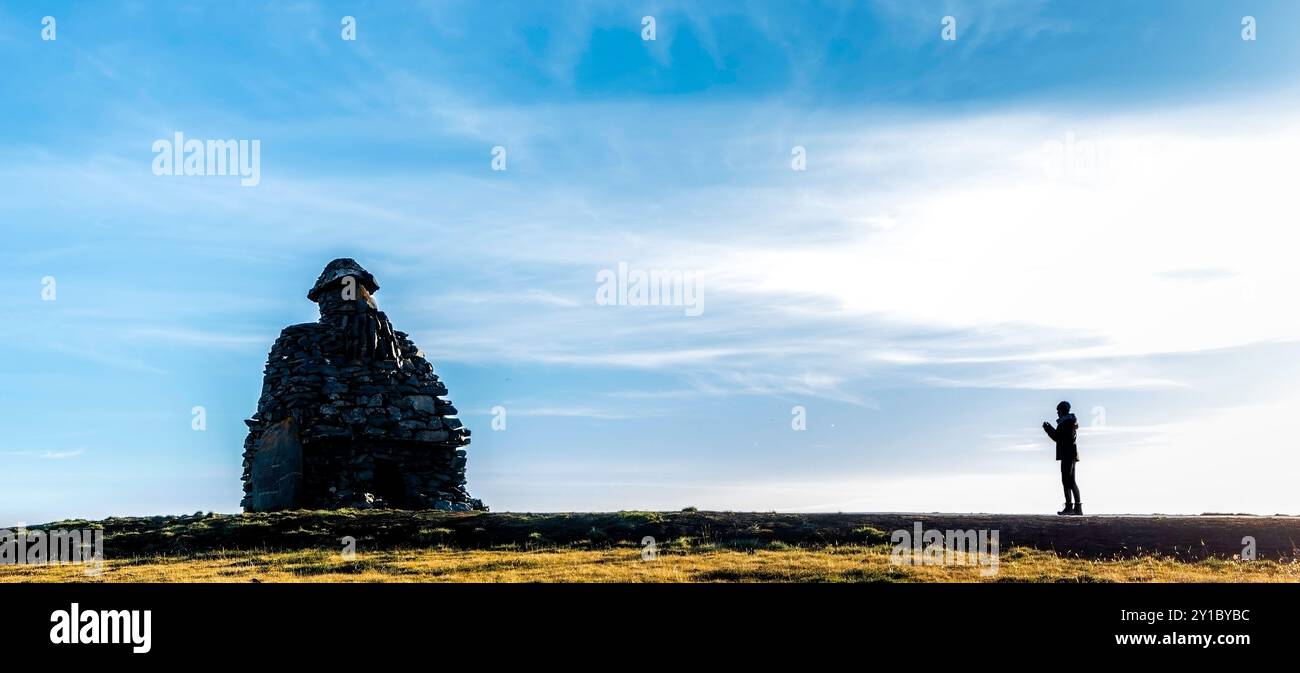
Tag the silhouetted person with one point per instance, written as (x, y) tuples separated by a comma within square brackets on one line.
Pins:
[(1065, 435)]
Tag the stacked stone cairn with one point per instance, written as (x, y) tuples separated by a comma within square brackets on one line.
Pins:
[(351, 414)]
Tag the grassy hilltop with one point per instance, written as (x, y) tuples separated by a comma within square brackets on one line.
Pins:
[(405, 546)]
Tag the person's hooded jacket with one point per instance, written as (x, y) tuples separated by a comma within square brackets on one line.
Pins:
[(1065, 434)]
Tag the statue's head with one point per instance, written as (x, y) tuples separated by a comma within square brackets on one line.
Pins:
[(334, 274)]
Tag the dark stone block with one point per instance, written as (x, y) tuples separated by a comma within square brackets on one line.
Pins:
[(276, 473)]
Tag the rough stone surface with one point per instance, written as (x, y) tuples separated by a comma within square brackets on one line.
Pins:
[(276, 471), (360, 409)]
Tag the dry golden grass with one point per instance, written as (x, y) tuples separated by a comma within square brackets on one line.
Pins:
[(846, 563)]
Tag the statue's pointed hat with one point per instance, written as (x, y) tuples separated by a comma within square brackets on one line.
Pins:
[(338, 269)]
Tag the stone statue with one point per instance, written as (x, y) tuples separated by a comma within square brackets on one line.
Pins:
[(351, 414)]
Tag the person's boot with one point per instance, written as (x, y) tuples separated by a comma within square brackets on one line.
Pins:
[(1069, 509), (1078, 509)]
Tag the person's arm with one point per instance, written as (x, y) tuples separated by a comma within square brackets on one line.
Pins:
[(1047, 427)]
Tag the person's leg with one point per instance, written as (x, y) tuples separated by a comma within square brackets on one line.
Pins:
[(1071, 488)]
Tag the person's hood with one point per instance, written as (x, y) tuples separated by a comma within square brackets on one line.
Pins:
[(1068, 418)]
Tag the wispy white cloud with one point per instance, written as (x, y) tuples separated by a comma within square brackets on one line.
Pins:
[(1083, 376), (198, 337), (574, 411), (45, 455), (89, 351), (968, 237)]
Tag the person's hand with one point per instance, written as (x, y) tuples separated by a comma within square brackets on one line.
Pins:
[(1046, 424)]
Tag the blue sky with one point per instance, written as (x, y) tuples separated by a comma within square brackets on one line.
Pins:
[(1083, 201)]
